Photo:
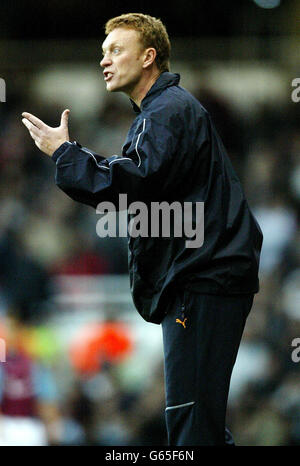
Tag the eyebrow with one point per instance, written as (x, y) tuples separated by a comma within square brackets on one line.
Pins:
[(113, 44)]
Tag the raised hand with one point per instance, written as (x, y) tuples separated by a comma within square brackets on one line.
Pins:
[(46, 138)]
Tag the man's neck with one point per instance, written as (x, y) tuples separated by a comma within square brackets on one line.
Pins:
[(143, 87)]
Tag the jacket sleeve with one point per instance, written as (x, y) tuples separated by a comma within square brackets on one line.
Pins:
[(148, 168)]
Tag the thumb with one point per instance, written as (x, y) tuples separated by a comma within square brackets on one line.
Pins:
[(64, 118)]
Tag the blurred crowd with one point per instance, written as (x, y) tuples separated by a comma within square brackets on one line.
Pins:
[(44, 234)]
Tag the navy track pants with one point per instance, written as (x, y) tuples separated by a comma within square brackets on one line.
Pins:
[(201, 337)]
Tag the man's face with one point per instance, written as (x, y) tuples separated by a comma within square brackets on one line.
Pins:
[(122, 60)]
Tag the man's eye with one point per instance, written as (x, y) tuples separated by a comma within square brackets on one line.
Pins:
[(116, 50)]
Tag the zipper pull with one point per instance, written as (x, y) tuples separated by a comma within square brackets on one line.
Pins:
[(183, 311)]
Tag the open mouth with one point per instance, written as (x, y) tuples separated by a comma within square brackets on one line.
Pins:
[(107, 75)]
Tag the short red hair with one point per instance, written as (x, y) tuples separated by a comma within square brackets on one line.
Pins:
[(152, 31)]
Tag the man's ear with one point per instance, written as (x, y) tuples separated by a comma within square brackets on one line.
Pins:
[(149, 57)]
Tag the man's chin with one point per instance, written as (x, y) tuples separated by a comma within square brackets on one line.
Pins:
[(111, 88)]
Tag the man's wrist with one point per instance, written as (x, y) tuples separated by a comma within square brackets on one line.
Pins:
[(62, 148)]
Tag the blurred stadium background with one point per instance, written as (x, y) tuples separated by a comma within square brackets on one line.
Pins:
[(82, 368)]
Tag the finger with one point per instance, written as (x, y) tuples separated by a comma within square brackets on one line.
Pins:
[(31, 128), (64, 118), (33, 119), (26, 123), (34, 136)]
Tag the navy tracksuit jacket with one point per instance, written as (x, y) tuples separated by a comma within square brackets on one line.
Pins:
[(172, 153)]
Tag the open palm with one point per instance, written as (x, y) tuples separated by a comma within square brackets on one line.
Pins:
[(46, 138)]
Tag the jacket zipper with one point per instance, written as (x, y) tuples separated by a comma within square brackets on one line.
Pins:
[(183, 306)]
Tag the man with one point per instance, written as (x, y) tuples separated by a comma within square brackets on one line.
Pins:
[(202, 295)]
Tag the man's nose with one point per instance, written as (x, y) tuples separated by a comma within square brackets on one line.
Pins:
[(105, 61)]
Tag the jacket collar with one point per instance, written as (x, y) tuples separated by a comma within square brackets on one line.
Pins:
[(165, 80)]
